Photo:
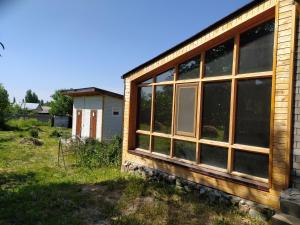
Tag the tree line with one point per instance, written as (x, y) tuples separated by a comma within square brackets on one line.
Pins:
[(60, 104)]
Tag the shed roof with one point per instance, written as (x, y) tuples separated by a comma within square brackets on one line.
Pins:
[(90, 91), (196, 36)]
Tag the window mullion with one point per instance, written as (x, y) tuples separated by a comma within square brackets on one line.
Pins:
[(173, 112), (152, 118), (199, 107), (233, 103)]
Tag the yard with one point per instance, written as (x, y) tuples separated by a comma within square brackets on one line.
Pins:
[(35, 191)]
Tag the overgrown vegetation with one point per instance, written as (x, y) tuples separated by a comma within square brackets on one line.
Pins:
[(24, 124), (93, 154)]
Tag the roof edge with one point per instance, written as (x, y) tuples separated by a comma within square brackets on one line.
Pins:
[(194, 37), (90, 91)]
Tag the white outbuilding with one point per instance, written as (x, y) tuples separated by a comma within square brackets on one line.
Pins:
[(97, 113)]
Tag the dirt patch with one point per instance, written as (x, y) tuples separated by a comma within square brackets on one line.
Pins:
[(136, 204), (31, 141)]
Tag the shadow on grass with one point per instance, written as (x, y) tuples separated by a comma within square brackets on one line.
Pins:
[(123, 201)]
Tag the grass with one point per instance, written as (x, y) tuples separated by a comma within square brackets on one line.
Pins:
[(35, 191)]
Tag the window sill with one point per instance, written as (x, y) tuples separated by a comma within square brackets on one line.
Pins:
[(263, 186)]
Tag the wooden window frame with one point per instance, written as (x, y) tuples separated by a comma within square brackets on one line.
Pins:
[(230, 145), (179, 87)]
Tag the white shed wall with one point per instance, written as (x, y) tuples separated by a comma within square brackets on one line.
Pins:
[(86, 104), (112, 125)]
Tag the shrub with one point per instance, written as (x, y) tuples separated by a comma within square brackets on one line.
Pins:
[(56, 134), (94, 154), (34, 132)]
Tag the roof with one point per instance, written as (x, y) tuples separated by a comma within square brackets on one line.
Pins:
[(196, 36), (45, 109), (30, 106), (90, 91)]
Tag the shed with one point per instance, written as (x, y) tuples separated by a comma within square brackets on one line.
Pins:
[(218, 108), (97, 113)]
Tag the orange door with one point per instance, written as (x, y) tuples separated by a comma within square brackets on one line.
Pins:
[(93, 124), (78, 122)]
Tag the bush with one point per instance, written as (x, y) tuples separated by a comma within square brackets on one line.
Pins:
[(34, 132), (94, 154), (57, 133)]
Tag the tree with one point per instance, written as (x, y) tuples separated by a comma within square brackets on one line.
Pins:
[(61, 105), (31, 97), (4, 105)]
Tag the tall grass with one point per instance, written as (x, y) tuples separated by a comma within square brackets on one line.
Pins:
[(94, 154), (24, 124)]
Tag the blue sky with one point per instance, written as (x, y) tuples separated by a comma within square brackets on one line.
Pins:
[(55, 44)]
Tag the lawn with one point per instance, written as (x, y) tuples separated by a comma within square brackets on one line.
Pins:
[(35, 191)]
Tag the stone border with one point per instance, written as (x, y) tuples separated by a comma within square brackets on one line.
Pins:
[(212, 195)]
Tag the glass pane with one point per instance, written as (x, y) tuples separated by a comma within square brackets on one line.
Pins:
[(142, 141), (213, 156), (218, 60), (166, 76), (149, 81), (163, 108), (185, 150), (161, 145), (216, 110), (251, 163), (186, 109), (253, 112), (256, 49), (189, 69), (144, 108)]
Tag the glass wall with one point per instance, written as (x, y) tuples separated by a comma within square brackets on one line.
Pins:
[(214, 109)]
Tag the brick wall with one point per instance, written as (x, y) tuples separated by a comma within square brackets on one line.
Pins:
[(296, 145)]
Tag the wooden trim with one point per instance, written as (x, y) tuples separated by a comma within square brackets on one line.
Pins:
[(232, 113), (265, 74), (219, 39), (152, 116), (272, 111), (250, 177), (249, 148), (290, 97), (158, 134), (217, 78), (214, 143), (143, 132), (203, 170)]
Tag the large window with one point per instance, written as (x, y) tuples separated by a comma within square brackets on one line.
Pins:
[(213, 110)]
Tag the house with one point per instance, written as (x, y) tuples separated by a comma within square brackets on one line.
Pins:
[(97, 113), (34, 107), (43, 114), (222, 108), (36, 111)]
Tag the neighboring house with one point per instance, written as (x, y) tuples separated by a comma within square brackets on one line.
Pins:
[(36, 111), (31, 106), (97, 113), (43, 114), (217, 108)]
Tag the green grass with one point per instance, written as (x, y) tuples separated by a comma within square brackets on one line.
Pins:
[(35, 191)]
